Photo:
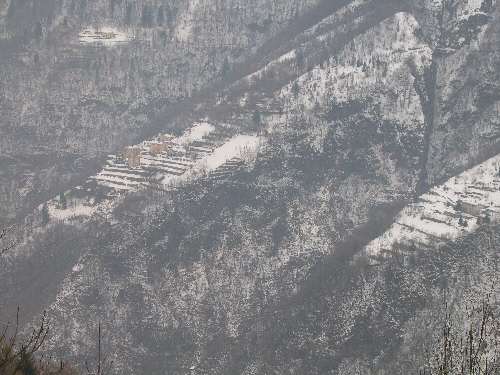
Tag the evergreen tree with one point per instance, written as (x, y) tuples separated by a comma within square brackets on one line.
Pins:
[(296, 89), (160, 19), (256, 118), (300, 59), (147, 16), (226, 68), (462, 222), (62, 201), (129, 14), (45, 214)]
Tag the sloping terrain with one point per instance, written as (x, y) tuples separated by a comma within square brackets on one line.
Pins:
[(263, 271), (447, 211), (75, 102), (465, 111)]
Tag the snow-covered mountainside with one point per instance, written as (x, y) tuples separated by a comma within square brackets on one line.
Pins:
[(249, 187), (82, 79), (165, 163), (447, 211), (168, 161)]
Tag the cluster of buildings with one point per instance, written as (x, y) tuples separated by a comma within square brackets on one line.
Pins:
[(167, 159), (204, 152), (133, 155)]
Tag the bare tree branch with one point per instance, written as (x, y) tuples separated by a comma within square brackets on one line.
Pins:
[(4, 233), (103, 366)]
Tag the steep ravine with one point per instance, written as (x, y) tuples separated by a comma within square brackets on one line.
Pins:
[(465, 126)]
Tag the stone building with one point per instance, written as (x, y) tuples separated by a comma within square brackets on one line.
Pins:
[(132, 155), (157, 148)]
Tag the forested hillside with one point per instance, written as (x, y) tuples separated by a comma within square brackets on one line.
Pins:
[(363, 197)]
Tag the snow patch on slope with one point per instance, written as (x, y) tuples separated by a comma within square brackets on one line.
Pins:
[(106, 36), (240, 146), (196, 133), (237, 146), (447, 211), (382, 75)]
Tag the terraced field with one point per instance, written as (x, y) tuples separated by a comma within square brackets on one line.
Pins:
[(204, 152), (447, 211), (179, 158)]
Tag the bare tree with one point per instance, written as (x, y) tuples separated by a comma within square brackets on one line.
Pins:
[(16, 354), (472, 350), (5, 243), (103, 365)]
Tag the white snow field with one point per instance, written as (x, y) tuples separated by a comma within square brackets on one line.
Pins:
[(233, 150)]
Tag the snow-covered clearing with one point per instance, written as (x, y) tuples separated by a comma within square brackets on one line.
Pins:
[(196, 133), (106, 36), (238, 146), (73, 210)]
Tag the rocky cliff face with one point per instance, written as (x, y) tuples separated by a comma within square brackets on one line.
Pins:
[(362, 108), (464, 124)]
